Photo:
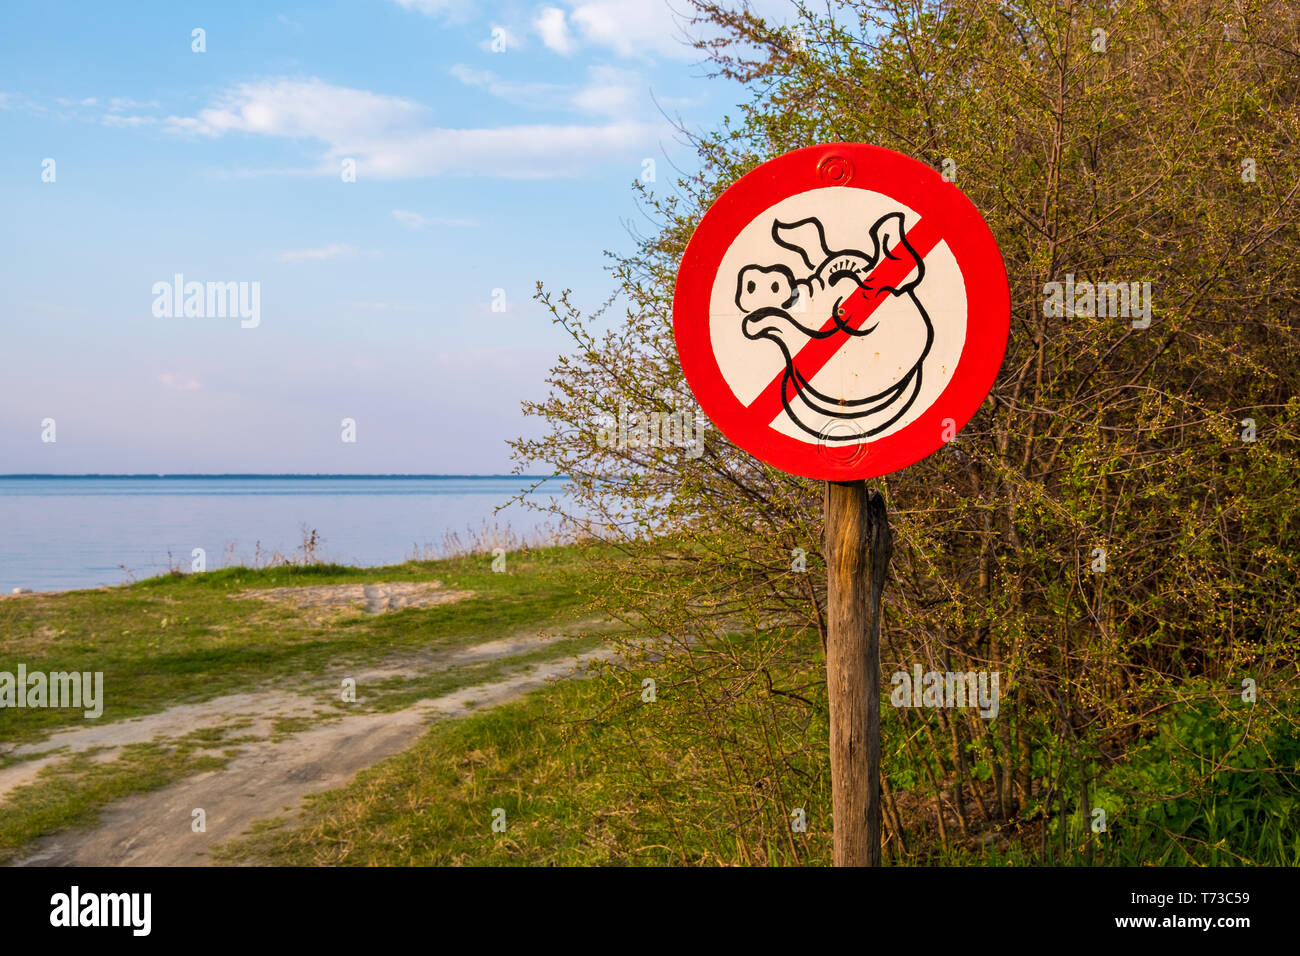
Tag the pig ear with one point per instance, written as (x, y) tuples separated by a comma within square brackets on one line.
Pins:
[(804, 237), (891, 243)]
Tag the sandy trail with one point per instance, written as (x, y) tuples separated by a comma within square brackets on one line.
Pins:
[(261, 707), (266, 778)]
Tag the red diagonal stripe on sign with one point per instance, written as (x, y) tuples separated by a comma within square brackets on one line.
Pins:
[(812, 358)]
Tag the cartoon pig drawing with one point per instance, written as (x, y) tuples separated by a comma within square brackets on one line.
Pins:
[(884, 357)]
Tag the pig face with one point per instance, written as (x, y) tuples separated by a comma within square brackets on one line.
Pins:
[(764, 288), (773, 301), (878, 359)]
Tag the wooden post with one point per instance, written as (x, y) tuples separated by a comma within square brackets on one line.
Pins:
[(858, 546)]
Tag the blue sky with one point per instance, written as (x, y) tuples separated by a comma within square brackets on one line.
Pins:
[(494, 145)]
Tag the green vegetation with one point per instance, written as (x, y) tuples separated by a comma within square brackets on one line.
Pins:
[(596, 772), (71, 792), (566, 767), (570, 765), (184, 638), (1115, 533), (175, 640), (395, 693)]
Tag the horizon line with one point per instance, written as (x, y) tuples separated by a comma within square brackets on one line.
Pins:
[(286, 474)]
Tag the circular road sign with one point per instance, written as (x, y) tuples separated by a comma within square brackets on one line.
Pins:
[(841, 311)]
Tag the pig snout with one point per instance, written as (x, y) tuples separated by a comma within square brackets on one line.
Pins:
[(764, 288)]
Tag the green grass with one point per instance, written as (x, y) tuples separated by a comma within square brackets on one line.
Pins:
[(71, 792), (568, 764), (558, 763), (179, 639), (432, 805), (397, 692), (564, 763)]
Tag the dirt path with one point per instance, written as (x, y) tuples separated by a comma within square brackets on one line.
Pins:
[(267, 777), (261, 708)]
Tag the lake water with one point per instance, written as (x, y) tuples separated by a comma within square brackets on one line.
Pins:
[(78, 532)]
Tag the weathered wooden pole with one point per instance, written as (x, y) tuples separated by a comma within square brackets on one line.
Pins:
[(857, 547), (782, 204)]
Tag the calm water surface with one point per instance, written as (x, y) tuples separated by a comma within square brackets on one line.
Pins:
[(78, 532)]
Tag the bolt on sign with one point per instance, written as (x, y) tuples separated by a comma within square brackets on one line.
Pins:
[(836, 306), (840, 312)]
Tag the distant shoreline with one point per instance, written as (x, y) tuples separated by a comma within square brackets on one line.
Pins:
[(288, 476), (72, 531)]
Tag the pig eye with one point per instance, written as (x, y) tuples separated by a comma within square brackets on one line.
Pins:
[(751, 287), (776, 287)]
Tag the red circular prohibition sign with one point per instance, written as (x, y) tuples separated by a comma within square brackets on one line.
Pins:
[(946, 216)]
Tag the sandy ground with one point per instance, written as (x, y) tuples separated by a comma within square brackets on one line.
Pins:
[(372, 598), (267, 777)]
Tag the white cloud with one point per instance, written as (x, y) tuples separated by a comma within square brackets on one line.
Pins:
[(510, 152), (451, 10), (117, 107), (117, 119), (119, 103), (180, 383), (301, 109), (645, 29), (412, 219), (390, 137), (609, 91), (554, 31), (332, 251), (415, 220), (534, 93), (633, 29), (17, 101)]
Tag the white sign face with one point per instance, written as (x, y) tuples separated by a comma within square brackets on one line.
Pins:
[(841, 311), (782, 282)]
